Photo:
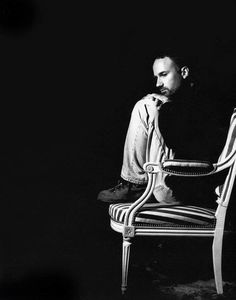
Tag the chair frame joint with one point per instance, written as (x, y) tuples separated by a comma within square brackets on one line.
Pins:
[(129, 231)]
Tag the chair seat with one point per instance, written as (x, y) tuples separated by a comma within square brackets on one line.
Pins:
[(175, 216)]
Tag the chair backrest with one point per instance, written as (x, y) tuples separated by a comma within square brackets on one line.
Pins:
[(230, 146), (227, 160)]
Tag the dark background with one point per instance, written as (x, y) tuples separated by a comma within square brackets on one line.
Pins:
[(69, 76)]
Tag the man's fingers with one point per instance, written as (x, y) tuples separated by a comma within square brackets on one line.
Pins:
[(155, 97), (159, 97)]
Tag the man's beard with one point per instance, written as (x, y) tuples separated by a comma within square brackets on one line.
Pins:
[(184, 92)]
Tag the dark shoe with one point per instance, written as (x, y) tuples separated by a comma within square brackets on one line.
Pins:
[(123, 192)]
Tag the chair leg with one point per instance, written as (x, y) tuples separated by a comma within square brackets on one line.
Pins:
[(217, 260), (125, 264)]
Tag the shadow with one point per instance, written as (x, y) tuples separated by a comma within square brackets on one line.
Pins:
[(41, 285), (17, 16)]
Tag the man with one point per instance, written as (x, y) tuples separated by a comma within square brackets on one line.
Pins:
[(152, 133)]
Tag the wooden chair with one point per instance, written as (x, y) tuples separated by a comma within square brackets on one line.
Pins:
[(144, 219)]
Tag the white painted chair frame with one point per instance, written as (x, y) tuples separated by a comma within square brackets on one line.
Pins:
[(129, 230)]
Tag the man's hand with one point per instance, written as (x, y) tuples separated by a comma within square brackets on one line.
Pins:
[(154, 98)]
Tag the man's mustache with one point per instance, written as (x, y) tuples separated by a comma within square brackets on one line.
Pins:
[(163, 90)]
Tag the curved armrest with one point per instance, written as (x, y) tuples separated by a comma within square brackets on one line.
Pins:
[(181, 167)]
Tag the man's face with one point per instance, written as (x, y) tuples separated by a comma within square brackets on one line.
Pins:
[(168, 76)]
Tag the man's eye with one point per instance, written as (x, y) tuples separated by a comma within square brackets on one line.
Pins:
[(163, 74)]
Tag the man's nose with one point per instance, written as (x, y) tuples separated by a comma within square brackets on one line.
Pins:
[(159, 83)]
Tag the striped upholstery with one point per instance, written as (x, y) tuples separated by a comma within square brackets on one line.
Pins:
[(177, 216)]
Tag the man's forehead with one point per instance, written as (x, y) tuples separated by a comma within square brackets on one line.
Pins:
[(163, 64)]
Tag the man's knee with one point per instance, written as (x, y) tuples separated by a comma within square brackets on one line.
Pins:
[(146, 109)]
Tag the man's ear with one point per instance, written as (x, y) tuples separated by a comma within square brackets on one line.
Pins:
[(184, 72)]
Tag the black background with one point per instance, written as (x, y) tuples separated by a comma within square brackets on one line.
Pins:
[(69, 76)]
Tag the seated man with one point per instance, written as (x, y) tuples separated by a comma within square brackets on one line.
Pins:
[(158, 125)]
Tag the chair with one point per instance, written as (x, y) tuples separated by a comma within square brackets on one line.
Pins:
[(144, 219)]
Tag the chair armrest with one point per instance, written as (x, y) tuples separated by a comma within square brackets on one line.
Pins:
[(181, 167), (177, 167)]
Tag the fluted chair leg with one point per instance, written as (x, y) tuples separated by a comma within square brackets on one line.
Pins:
[(125, 264), (217, 260)]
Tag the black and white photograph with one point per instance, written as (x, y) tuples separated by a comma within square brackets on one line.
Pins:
[(117, 150)]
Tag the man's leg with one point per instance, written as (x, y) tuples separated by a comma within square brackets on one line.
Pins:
[(144, 142), (135, 147)]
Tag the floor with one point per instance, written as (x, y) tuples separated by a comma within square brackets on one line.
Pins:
[(57, 244)]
